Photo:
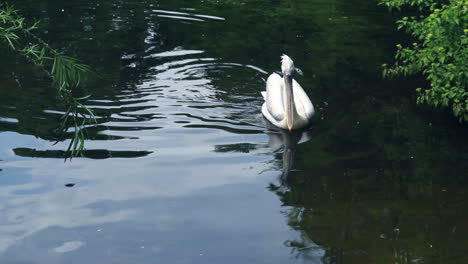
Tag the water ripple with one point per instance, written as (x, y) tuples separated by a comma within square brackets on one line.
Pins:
[(184, 16), (183, 90)]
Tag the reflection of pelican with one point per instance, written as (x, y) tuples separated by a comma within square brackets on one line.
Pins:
[(286, 104), (288, 141)]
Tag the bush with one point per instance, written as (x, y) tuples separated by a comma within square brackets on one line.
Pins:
[(439, 52)]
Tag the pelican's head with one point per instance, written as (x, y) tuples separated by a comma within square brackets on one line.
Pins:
[(287, 65)]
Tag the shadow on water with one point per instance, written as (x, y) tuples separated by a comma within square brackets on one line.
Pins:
[(92, 154), (181, 167)]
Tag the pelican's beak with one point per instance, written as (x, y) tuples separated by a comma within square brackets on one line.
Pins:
[(289, 102)]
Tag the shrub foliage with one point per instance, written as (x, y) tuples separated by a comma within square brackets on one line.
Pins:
[(439, 51)]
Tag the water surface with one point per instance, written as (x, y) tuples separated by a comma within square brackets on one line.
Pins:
[(182, 168)]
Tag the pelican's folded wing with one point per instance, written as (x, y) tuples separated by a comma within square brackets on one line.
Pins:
[(303, 104), (274, 96)]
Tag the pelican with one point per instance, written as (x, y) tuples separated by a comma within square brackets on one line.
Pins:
[(286, 104)]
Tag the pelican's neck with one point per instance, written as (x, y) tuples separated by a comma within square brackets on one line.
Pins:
[(290, 108)]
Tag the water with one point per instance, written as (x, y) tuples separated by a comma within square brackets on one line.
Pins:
[(182, 168)]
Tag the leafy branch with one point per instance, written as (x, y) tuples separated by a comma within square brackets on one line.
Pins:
[(440, 51), (67, 73)]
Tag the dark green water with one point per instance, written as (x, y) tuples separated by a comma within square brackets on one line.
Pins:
[(181, 167)]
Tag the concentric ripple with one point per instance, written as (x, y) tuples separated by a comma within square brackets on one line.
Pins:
[(180, 90)]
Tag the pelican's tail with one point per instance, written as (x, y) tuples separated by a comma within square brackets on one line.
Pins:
[(264, 94)]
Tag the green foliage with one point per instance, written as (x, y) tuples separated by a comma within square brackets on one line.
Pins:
[(66, 72), (439, 52)]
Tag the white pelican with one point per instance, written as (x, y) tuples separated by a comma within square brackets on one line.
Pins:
[(286, 104)]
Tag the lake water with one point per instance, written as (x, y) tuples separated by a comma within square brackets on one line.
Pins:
[(182, 168)]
